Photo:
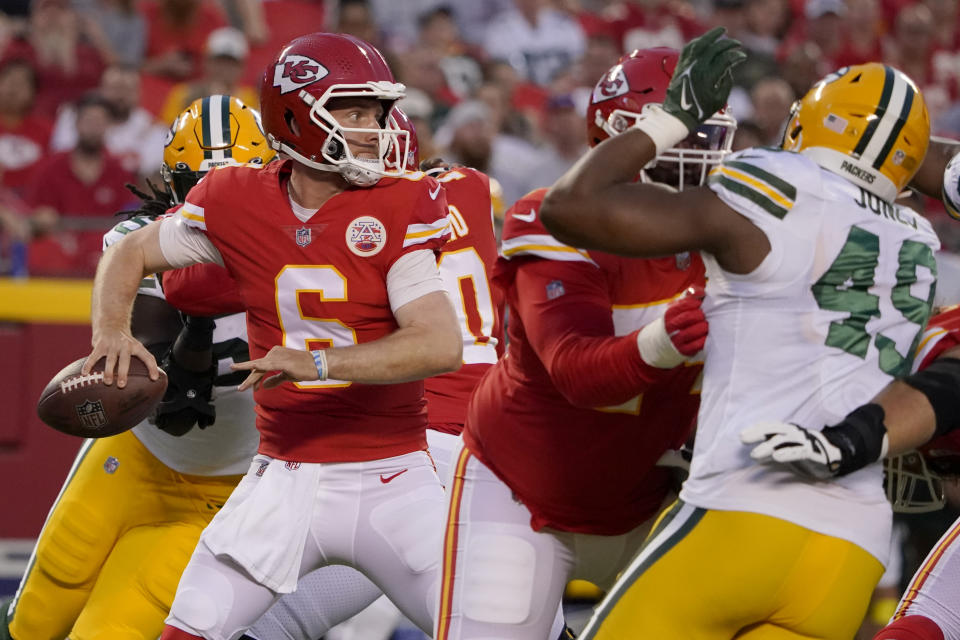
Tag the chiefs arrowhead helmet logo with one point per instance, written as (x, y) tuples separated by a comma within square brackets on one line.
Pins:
[(611, 85), (296, 71)]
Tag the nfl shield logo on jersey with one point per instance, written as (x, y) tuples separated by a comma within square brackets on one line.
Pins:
[(303, 236), (91, 414), (555, 289), (111, 465), (682, 260), (366, 236)]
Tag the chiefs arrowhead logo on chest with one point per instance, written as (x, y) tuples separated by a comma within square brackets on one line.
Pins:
[(295, 71)]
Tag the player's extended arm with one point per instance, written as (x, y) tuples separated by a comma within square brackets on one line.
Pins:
[(906, 414), (573, 335), (929, 177), (598, 204), (427, 343), (115, 285)]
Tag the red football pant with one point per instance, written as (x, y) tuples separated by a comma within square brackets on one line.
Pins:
[(172, 633), (910, 628)]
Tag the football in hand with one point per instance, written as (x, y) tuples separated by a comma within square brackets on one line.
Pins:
[(81, 405)]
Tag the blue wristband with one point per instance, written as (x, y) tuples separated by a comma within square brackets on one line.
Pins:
[(320, 359)]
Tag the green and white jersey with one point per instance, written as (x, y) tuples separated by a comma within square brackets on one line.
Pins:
[(823, 324), (227, 446)]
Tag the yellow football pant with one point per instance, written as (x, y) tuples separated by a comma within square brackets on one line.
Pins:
[(716, 575), (110, 555)]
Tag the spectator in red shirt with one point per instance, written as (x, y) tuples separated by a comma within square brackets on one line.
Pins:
[(911, 49), (14, 231), (72, 191), (440, 35), (864, 26), (23, 135), (355, 18), (946, 21), (803, 66), (177, 31), (223, 65), (649, 23), (59, 44), (772, 98)]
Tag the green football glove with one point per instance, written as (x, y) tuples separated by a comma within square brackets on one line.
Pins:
[(702, 80)]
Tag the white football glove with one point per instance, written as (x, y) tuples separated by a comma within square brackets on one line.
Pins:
[(807, 452)]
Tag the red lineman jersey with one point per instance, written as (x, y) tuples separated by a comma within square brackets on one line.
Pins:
[(942, 334), (317, 284), (466, 265), (572, 419)]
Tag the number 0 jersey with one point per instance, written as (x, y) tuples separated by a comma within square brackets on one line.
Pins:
[(828, 318), (466, 266), (572, 419), (317, 284)]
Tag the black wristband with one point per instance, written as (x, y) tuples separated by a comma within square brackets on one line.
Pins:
[(860, 437), (940, 382), (199, 333)]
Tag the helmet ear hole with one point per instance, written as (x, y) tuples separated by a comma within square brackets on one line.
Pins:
[(291, 122), (334, 149)]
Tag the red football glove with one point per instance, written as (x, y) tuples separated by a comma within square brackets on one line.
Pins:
[(679, 334)]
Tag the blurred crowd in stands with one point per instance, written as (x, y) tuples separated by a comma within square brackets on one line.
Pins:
[(88, 88)]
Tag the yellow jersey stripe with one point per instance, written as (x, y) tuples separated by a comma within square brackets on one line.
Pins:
[(450, 546), (760, 186)]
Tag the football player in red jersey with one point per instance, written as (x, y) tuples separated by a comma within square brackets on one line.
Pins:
[(464, 264), (334, 255), (596, 379)]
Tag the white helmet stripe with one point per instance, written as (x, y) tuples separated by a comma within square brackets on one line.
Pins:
[(215, 114), (887, 124)]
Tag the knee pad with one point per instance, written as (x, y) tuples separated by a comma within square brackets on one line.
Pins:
[(910, 628), (203, 599), (73, 545), (498, 578)]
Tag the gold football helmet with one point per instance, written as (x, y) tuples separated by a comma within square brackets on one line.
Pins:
[(212, 132), (867, 123)]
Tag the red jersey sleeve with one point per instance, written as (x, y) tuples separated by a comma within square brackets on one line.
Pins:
[(566, 316), (942, 333), (427, 227), (203, 290)]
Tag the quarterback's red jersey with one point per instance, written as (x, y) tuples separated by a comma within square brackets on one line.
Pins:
[(322, 283), (572, 419), (943, 333), (466, 265)]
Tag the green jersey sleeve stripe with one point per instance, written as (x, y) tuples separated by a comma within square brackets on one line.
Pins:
[(750, 194), (784, 187)]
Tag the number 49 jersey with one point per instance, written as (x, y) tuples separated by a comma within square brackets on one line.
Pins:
[(828, 318), (318, 284)]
